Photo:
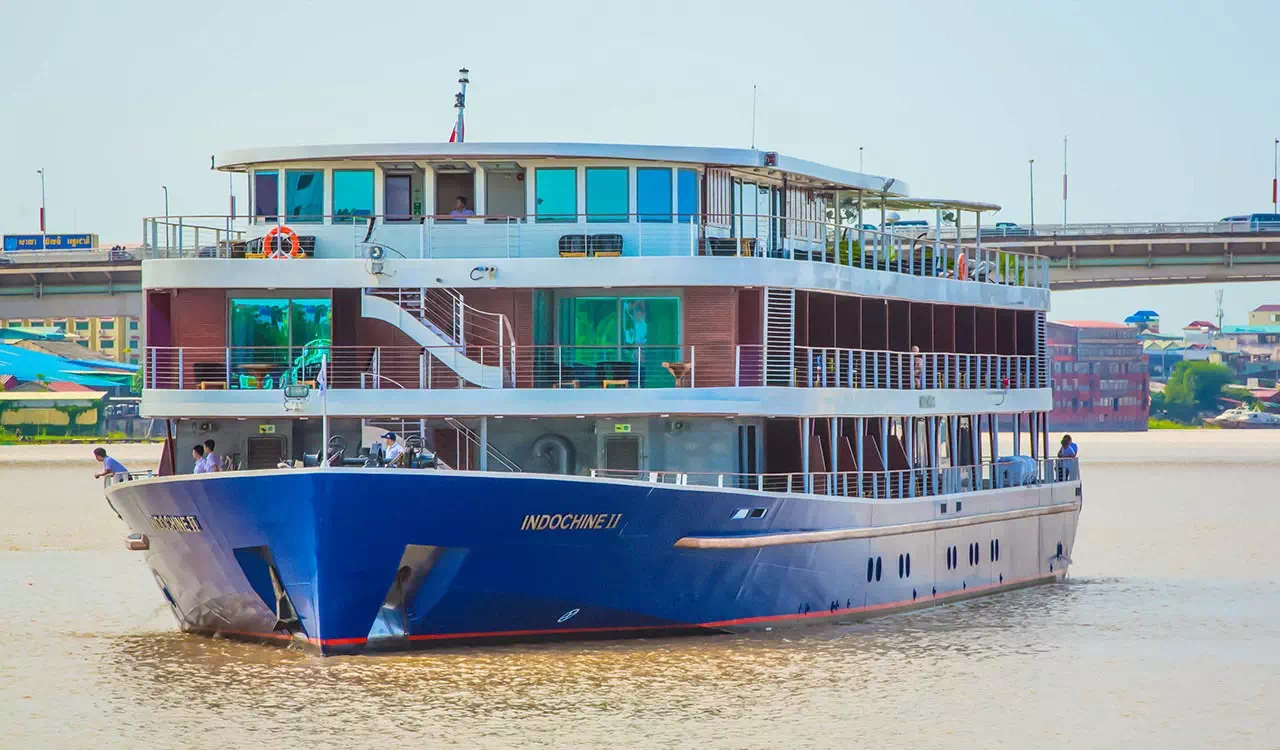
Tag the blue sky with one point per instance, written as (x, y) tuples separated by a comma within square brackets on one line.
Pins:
[(1168, 105)]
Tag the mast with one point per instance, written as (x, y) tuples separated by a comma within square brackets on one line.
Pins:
[(460, 104)]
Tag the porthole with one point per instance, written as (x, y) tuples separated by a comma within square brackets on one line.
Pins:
[(997, 549), (1059, 549), (992, 551), (970, 554), (909, 570), (871, 568), (948, 558), (977, 553), (877, 569), (901, 565)]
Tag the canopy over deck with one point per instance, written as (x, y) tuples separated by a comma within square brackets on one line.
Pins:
[(931, 204), (804, 174)]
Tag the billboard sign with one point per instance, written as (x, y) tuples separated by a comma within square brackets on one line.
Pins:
[(18, 242)]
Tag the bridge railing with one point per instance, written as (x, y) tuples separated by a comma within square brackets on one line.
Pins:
[(1104, 229)]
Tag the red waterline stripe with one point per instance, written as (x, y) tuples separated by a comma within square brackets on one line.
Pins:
[(633, 628)]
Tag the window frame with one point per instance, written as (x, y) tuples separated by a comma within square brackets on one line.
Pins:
[(333, 199), (557, 217), (288, 189)]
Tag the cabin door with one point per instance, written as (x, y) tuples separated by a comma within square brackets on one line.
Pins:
[(621, 445)]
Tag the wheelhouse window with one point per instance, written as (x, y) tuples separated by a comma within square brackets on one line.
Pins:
[(266, 194), (352, 194), (686, 195), (621, 338), (304, 195), (608, 197), (556, 194), (653, 194)]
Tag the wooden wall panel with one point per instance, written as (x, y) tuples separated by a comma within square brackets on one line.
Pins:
[(710, 325)]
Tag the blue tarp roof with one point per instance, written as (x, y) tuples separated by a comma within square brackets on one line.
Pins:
[(1142, 316), (25, 365)]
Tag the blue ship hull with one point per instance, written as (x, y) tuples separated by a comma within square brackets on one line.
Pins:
[(356, 560)]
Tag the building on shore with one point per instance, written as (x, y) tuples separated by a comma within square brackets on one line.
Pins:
[(1265, 315), (116, 337), (1100, 378), (1144, 321)]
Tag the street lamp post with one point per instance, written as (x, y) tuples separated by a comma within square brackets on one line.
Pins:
[(859, 158), (1031, 178), (42, 207)]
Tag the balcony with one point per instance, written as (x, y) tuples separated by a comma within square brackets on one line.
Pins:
[(494, 237), (586, 367)]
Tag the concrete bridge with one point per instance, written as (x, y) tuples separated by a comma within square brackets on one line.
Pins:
[(1096, 256), (1082, 256), (78, 283)]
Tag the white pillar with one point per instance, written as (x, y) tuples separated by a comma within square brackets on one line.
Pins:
[(804, 453), (484, 443)]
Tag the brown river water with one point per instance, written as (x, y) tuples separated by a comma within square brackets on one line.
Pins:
[(1167, 634)]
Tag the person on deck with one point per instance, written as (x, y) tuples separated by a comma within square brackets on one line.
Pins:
[(109, 464), (197, 453), (917, 368), (460, 207), (212, 461), (391, 449), (1067, 454)]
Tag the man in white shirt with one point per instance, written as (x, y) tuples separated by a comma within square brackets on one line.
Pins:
[(212, 462), (391, 450)]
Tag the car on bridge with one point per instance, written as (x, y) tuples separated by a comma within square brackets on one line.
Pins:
[(1006, 229), (1254, 222)]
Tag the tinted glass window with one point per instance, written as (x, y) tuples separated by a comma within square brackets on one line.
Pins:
[(556, 194), (607, 194), (304, 195), (352, 194), (653, 194), (266, 194), (686, 194), (397, 190)]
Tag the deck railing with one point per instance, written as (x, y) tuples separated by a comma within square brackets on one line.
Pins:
[(875, 485), (587, 235), (565, 366)]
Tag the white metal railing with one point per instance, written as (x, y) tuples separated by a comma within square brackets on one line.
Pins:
[(834, 367), (571, 366), (584, 235), (875, 485)]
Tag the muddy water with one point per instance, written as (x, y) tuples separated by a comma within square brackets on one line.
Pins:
[(1166, 635)]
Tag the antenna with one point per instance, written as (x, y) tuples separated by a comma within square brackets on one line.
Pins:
[(1218, 294), (460, 104), (753, 116)]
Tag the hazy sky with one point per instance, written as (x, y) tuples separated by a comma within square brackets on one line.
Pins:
[(1170, 107)]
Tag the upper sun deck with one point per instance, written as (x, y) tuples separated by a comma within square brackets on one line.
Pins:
[(466, 202)]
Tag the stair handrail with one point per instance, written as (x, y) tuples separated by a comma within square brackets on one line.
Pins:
[(474, 439)]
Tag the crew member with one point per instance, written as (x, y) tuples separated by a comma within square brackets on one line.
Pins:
[(1067, 458), (109, 464), (197, 453), (212, 461), (460, 207), (391, 449)]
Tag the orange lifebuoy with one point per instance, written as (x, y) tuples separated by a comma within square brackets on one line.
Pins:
[(268, 243), (962, 267)]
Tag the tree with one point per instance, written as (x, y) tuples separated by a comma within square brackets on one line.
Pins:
[(1196, 385)]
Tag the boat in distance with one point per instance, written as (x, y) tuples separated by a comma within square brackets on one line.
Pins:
[(460, 393)]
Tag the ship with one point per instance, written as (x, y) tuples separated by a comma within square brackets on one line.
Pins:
[(475, 393), (1241, 418)]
